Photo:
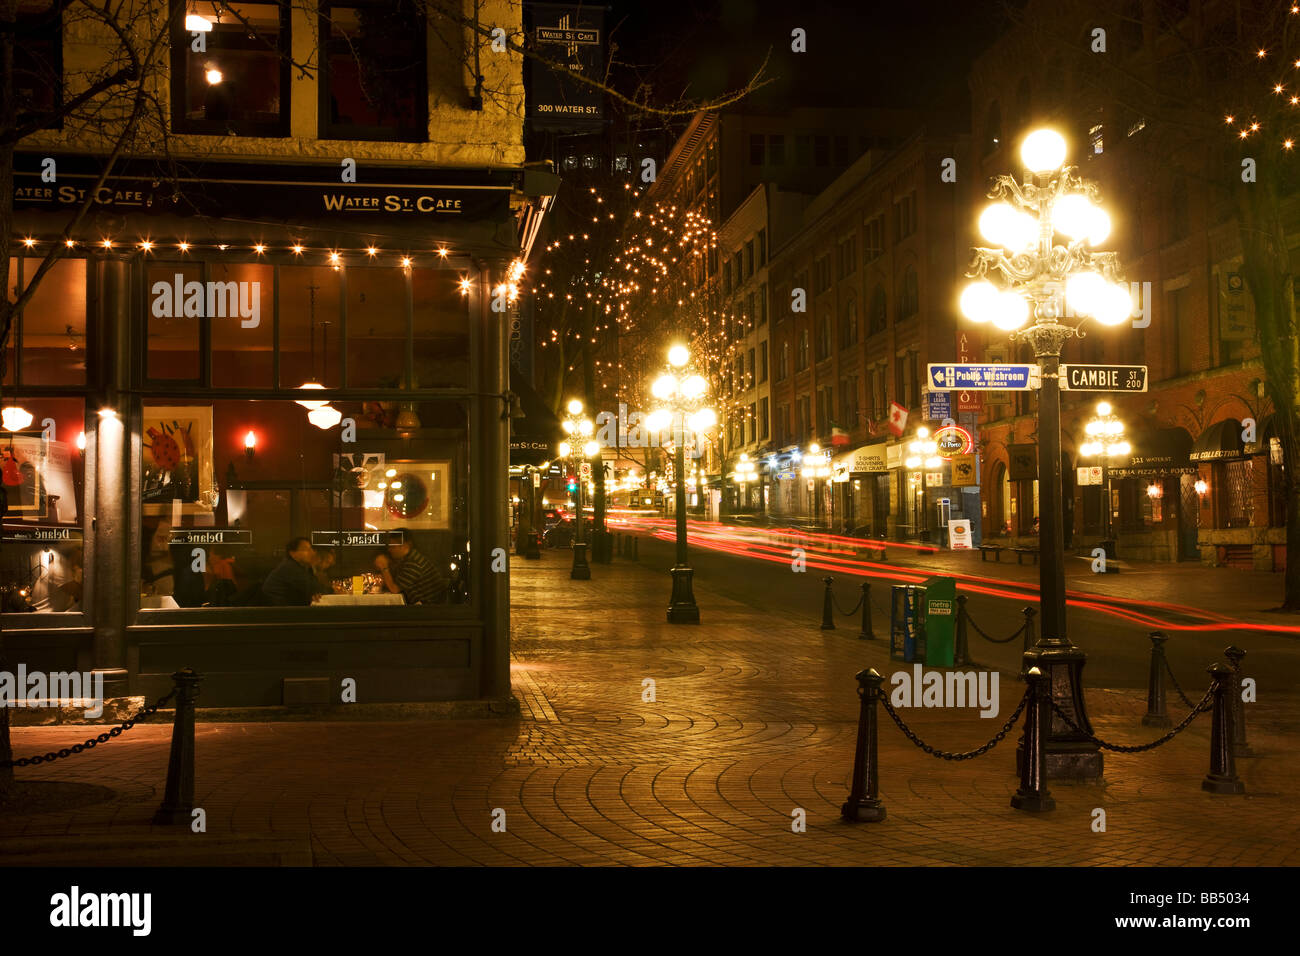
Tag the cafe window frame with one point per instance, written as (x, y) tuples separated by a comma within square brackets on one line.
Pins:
[(181, 40), (328, 128)]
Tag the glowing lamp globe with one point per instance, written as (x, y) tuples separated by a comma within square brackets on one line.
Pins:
[(664, 387), (1122, 449), (678, 356), (1043, 151), (1103, 408), (1073, 215), (694, 386), (327, 416), (1100, 227), (978, 301), (564, 449), (1114, 305), (1084, 292), (704, 418), (567, 425), (658, 420), (15, 419), (575, 407), (1011, 311), (1007, 227), (1092, 428), (591, 449), (586, 427), (310, 404)]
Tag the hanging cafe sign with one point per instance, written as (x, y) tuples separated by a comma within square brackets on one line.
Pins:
[(953, 440)]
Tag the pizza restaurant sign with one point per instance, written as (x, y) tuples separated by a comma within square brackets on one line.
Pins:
[(953, 440)]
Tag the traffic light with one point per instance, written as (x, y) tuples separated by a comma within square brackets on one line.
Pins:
[(573, 483)]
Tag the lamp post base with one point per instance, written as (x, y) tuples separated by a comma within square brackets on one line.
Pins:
[(683, 609), (581, 570), (531, 552), (1068, 754), (866, 810)]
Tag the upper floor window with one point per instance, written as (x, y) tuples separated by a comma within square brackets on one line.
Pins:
[(824, 338), (909, 295), (801, 359), (237, 81), (373, 82), (878, 319), (905, 216), (873, 246), (38, 60), (823, 274)]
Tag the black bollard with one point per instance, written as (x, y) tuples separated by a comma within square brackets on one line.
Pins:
[(828, 608), (636, 549), (1033, 795), (178, 798), (1239, 746), (867, 633), (1222, 777), (961, 650), (864, 804), (1030, 639), (1155, 715)]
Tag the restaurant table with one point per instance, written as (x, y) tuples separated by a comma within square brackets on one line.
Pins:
[(353, 600), (155, 602)]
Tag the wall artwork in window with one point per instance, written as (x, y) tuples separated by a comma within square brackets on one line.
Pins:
[(177, 477), (412, 494)]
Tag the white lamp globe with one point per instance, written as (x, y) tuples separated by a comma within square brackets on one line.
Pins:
[(658, 420), (934, 462), (567, 425), (591, 449), (312, 403), (16, 418), (1114, 305), (1092, 428), (694, 386), (327, 416), (678, 356), (1007, 227), (1083, 293), (1073, 215), (1012, 311), (979, 301), (564, 449), (1103, 408), (913, 462), (1043, 151), (704, 418), (575, 407), (1087, 450), (1100, 227), (586, 427), (664, 387), (1122, 449)]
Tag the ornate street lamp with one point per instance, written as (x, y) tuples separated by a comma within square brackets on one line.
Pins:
[(580, 448), (744, 474), (682, 391), (816, 466), (1105, 441), (924, 457), (1049, 279)]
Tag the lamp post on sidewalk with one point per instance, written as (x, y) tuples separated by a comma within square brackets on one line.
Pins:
[(924, 457), (1055, 279), (682, 390), (581, 448), (1106, 434)]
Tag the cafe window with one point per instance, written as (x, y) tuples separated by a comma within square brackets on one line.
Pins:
[(234, 77), (38, 61), (267, 504), (51, 332), (43, 470), (374, 83), (1234, 480)]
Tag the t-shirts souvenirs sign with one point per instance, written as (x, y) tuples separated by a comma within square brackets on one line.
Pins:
[(267, 191)]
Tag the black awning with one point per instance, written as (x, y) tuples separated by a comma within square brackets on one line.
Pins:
[(1266, 429), (1219, 441), (1156, 452), (533, 438)]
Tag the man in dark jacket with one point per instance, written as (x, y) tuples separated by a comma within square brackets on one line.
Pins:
[(293, 582)]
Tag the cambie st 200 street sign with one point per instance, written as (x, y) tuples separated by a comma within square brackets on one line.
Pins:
[(1104, 378)]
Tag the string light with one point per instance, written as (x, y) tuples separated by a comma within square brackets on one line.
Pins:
[(29, 242), (107, 243), (259, 248), (183, 246), (146, 245), (297, 249), (371, 251)]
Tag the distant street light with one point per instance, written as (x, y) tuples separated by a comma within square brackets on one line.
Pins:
[(1055, 278), (924, 457), (582, 448), (682, 391), (1106, 441)]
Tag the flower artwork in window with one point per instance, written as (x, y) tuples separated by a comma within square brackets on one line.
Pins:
[(177, 450)]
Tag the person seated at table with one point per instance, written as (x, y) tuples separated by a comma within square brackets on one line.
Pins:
[(293, 582), (416, 578), (321, 563)]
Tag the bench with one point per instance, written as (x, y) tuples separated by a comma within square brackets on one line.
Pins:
[(1021, 552), (994, 549)]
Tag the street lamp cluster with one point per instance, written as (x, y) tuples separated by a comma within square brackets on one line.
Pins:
[(1106, 441), (682, 390), (924, 458), (579, 449), (1043, 279)]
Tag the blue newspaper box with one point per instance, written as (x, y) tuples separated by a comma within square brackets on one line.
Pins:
[(907, 623)]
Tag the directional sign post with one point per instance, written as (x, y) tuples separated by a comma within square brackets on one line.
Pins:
[(983, 378), (1104, 378)]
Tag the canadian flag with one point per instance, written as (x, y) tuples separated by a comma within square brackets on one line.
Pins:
[(897, 419)]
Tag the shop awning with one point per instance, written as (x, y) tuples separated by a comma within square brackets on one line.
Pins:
[(533, 438), (1157, 452), (866, 459), (1219, 441), (1266, 429)]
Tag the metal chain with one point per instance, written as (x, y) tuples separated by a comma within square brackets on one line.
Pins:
[(1200, 708), (995, 640), (997, 738), (147, 711), (1170, 671), (857, 607)]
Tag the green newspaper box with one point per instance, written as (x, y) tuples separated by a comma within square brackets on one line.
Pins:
[(940, 601)]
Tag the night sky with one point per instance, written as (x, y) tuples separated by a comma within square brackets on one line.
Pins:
[(873, 54)]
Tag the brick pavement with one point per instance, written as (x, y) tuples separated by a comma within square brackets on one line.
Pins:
[(752, 718)]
